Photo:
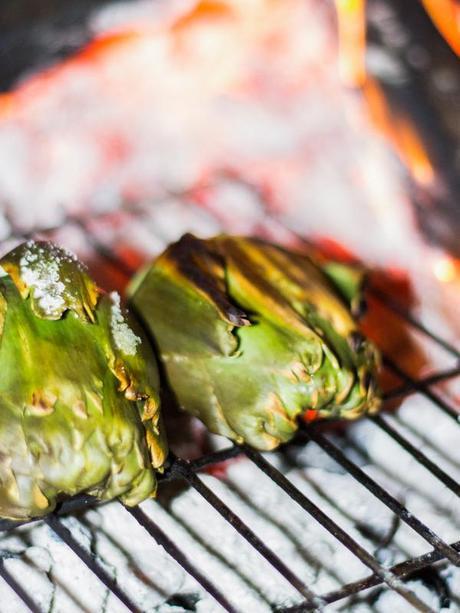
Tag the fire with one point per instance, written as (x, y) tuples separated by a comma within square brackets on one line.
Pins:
[(400, 130), (445, 269), (204, 9), (412, 150), (445, 15), (351, 18)]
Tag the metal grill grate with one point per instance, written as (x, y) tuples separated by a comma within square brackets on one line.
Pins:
[(189, 471)]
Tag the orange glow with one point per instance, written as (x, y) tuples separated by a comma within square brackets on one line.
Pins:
[(445, 15), (104, 44), (310, 415), (203, 10), (6, 104), (10, 102), (445, 269), (351, 17), (237, 25), (401, 132), (413, 152)]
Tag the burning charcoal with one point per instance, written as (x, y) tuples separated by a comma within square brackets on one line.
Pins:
[(79, 389), (252, 336)]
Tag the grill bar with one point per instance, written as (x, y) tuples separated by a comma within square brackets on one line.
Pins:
[(408, 388), (64, 533), (404, 569), (101, 249), (418, 455), (383, 424), (366, 558), (215, 458), (249, 535), (410, 319), (162, 539), (380, 493), (17, 588), (420, 387), (78, 503)]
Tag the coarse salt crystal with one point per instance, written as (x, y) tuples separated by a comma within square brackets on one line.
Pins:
[(42, 276), (124, 337)]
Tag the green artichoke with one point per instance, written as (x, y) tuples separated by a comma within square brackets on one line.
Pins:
[(252, 336), (79, 404)]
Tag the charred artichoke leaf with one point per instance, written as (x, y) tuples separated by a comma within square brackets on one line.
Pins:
[(252, 336), (79, 404)]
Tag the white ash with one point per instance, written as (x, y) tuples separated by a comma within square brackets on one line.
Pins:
[(124, 338), (274, 113)]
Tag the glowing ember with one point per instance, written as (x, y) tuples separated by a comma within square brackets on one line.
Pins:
[(352, 41), (401, 132), (445, 269), (412, 151), (446, 17)]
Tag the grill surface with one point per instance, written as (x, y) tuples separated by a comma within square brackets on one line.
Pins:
[(179, 469)]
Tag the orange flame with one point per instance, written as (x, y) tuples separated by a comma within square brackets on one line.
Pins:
[(203, 10), (445, 15), (401, 132), (351, 19), (398, 128), (446, 269)]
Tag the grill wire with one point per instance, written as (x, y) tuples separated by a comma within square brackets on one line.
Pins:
[(179, 469)]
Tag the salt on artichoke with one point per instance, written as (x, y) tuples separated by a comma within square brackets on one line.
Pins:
[(79, 403), (253, 336)]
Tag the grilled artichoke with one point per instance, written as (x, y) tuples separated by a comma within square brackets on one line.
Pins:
[(252, 336), (79, 405)]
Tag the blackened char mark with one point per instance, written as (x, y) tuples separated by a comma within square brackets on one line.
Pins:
[(194, 258)]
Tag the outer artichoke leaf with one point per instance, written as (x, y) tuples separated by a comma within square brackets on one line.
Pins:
[(188, 284), (53, 277), (253, 396), (257, 284), (3, 309), (349, 280), (131, 359), (196, 393), (251, 387), (287, 288), (297, 280)]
